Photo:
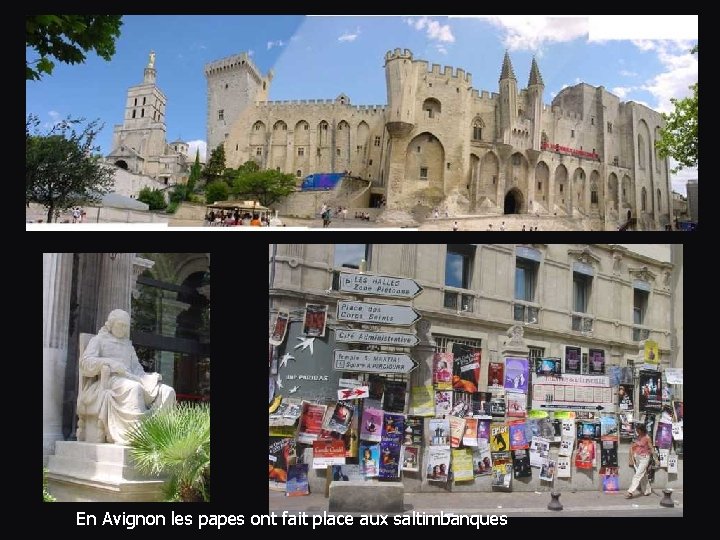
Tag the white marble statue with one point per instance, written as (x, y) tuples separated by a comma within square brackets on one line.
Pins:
[(114, 384), (151, 62)]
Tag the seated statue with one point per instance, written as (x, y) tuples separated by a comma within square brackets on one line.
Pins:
[(115, 392)]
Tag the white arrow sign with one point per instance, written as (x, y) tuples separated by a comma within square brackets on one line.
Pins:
[(373, 362), (375, 338), (379, 285), (386, 314)]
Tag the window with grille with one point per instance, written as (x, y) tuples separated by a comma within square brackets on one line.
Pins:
[(445, 343)]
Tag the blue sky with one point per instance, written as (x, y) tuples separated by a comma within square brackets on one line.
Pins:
[(319, 57)]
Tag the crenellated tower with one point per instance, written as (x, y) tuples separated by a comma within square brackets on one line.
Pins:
[(401, 82), (535, 102), (508, 99)]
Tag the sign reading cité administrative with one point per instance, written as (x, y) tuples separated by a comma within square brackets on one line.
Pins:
[(373, 362), (366, 284), (375, 338), (383, 314)]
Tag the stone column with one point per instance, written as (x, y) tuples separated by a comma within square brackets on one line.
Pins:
[(116, 284), (57, 283)]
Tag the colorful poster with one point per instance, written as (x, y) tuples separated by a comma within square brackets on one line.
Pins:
[(547, 470), (497, 407), (649, 421), (521, 464), (315, 318), (608, 453), (539, 427), (279, 328), (328, 452), (438, 463), (585, 455), (442, 371), (625, 397), (369, 459), (443, 402), (470, 437), (457, 428), (466, 368), (422, 401), (611, 479), (652, 352), (572, 360), (372, 421), (462, 404), (550, 367), (596, 365), (341, 417), (566, 447), (608, 426), (439, 431), (411, 458), (516, 404), (627, 427), (282, 455), (413, 431), (663, 435), (502, 470), (394, 396), (311, 421), (483, 433), (517, 435), (345, 473), (297, 483), (516, 374), (480, 403), (482, 463), (678, 410), (672, 464), (393, 428), (588, 429), (563, 467), (389, 459), (462, 464), (539, 451), (499, 437), (496, 376), (650, 391)]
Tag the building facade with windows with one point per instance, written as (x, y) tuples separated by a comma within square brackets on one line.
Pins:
[(588, 155), (600, 300)]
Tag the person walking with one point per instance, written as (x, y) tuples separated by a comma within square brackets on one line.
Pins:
[(640, 452), (502, 226), (455, 226)]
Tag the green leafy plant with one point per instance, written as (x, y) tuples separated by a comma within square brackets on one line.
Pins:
[(46, 494), (176, 443)]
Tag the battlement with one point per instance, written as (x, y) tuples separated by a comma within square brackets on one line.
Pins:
[(449, 73), (299, 103), (398, 54), (562, 113), (235, 62), (484, 94)]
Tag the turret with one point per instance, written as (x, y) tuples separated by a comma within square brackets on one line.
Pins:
[(401, 78), (508, 98), (535, 102)]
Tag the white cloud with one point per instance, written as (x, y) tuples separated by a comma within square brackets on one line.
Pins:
[(278, 43), (627, 73), (679, 180), (681, 71), (441, 49), (433, 29), (529, 32), (349, 36), (622, 91), (643, 27), (195, 145)]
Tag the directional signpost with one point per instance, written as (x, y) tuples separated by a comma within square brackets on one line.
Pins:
[(381, 314), (373, 362), (370, 285), (375, 338)]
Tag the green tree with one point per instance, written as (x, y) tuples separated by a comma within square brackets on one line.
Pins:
[(679, 137), (266, 186), (60, 168), (216, 191), (67, 38), (195, 172), (154, 198), (216, 165)]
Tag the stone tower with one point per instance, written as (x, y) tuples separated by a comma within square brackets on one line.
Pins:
[(535, 102), (508, 99), (233, 84)]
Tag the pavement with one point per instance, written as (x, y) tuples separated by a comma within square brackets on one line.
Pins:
[(517, 504)]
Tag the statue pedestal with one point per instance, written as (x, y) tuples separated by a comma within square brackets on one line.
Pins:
[(89, 472)]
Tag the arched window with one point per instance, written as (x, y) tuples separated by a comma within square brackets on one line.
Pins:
[(659, 202), (593, 193), (641, 152), (643, 199), (298, 173), (257, 126), (477, 127), (432, 107)]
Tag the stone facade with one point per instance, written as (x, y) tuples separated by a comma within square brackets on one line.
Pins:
[(692, 199), (587, 155), (139, 144)]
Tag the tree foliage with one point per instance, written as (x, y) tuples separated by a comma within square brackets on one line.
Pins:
[(266, 186), (60, 169), (195, 172), (679, 137), (216, 191), (154, 198), (68, 38), (215, 167)]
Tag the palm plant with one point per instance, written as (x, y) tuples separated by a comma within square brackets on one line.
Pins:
[(176, 443)]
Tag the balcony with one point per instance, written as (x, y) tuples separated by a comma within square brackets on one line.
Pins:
[(582, 322), (640, 334), (458, 301), (525, 313)]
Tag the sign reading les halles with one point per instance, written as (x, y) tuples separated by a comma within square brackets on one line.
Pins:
[(382, 314), (379, 285)]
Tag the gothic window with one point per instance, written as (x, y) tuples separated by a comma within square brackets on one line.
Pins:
[(477, 129), (377, 141), (301, 151), (258, 125), (258, 151), (221, 114), (423, 173), (298, 173)]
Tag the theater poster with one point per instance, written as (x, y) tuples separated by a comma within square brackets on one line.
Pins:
[(650, 395), (315, 319), (572, 360), (496, 376), (597, 362), (466, 368), (279, 328)]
